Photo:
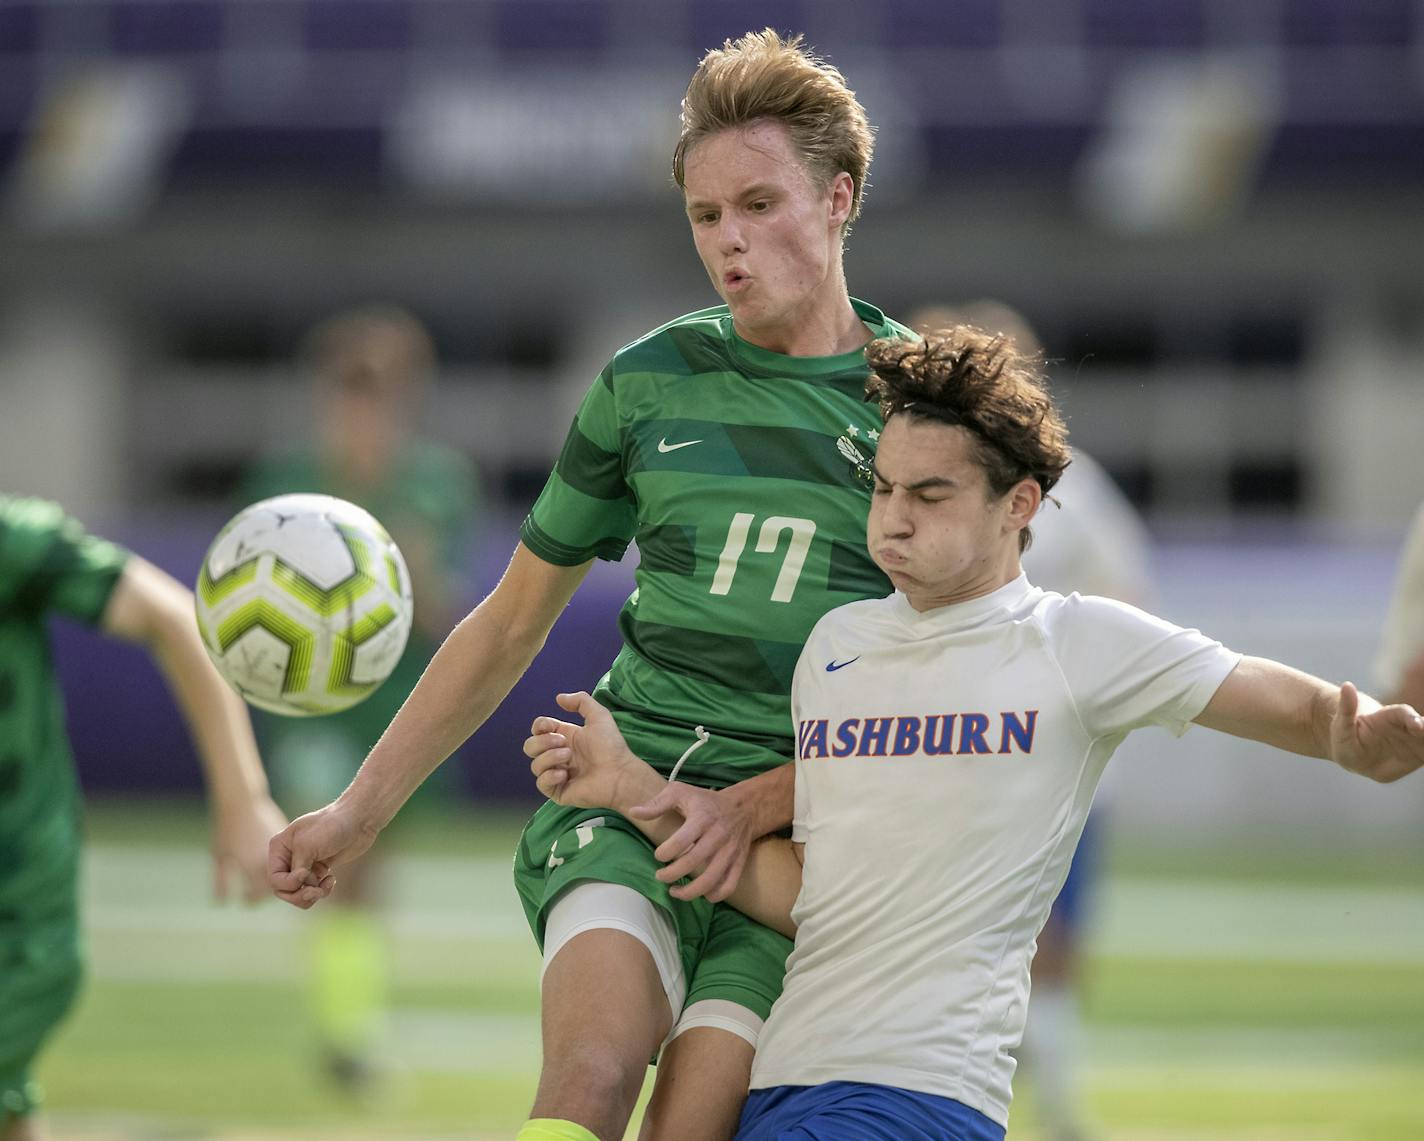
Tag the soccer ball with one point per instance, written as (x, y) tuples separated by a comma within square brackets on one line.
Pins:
[(304, 604)]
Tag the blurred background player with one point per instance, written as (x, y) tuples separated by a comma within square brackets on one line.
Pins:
[(1399, 666), (1094, 542), (50, 565), (370, 368)]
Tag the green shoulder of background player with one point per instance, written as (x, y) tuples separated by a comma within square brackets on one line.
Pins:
[(48, 564), (692, 442)]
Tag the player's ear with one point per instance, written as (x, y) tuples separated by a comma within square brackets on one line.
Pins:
[(1024, 499), (842, 198)]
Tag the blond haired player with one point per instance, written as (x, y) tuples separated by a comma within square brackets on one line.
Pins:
[(732, 445)]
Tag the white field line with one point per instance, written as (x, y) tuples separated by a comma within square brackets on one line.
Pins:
[(433, 1042), (137, 889), (1298, 923), (137, 896), (1322, 1054)]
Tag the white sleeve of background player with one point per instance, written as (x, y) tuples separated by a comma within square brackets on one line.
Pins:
[(1404, 625), (1126, 668), (1095, 543)]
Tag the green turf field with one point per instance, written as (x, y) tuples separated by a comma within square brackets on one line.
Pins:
[(1275, 995)]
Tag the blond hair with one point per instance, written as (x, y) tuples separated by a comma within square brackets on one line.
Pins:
[(762, 76)]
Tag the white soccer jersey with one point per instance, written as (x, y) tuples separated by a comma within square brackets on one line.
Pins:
[(945, 765), (1404, 627)]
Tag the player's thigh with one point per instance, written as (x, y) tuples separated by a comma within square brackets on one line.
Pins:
[(611, 978), (612, 967), (561, 848), (742, 963), (705, 1069)]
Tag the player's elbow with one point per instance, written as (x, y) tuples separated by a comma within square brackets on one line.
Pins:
[(150, 608)]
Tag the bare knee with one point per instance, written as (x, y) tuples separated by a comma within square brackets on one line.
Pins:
[(590, 1082), (589, 1071), (14, 1127)]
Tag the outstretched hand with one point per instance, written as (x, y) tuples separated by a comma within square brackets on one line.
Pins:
[(1383, 742), (300, 858), (588, 765)]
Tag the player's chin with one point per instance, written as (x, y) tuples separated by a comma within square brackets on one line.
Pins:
[(898, 574)]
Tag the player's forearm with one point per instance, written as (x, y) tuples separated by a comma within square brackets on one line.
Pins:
[(767, 799), (471, 673), (1266, 701), (769, 885)]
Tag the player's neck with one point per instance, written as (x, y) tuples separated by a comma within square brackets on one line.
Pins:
[(984, 580), (826, 326)]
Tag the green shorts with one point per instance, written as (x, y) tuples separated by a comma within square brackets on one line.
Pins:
[(40, 972), (725, 955)]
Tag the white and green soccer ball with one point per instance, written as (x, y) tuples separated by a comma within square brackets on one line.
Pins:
[(304, 604)]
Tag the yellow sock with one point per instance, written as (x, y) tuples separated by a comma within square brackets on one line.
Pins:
[(349, 984), (553, 1129)]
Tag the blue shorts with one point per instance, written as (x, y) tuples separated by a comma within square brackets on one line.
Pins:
[(1072, 899), (860, 1111)]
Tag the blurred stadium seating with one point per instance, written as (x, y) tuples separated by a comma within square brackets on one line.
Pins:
[(1193, 199), (1209, 209)]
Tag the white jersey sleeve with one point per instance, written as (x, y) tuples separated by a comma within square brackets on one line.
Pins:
[(1404, 625), (1126, 669)]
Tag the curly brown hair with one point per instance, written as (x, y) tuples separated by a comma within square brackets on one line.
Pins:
[(762, 76), (981, 382)]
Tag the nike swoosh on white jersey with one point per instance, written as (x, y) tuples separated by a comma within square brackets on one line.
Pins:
[(664, 446)]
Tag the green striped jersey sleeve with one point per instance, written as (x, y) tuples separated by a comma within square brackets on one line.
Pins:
[(48, 562), (587, 509)]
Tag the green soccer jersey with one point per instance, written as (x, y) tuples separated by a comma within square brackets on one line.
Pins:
[(743, 477), (48, 564)]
